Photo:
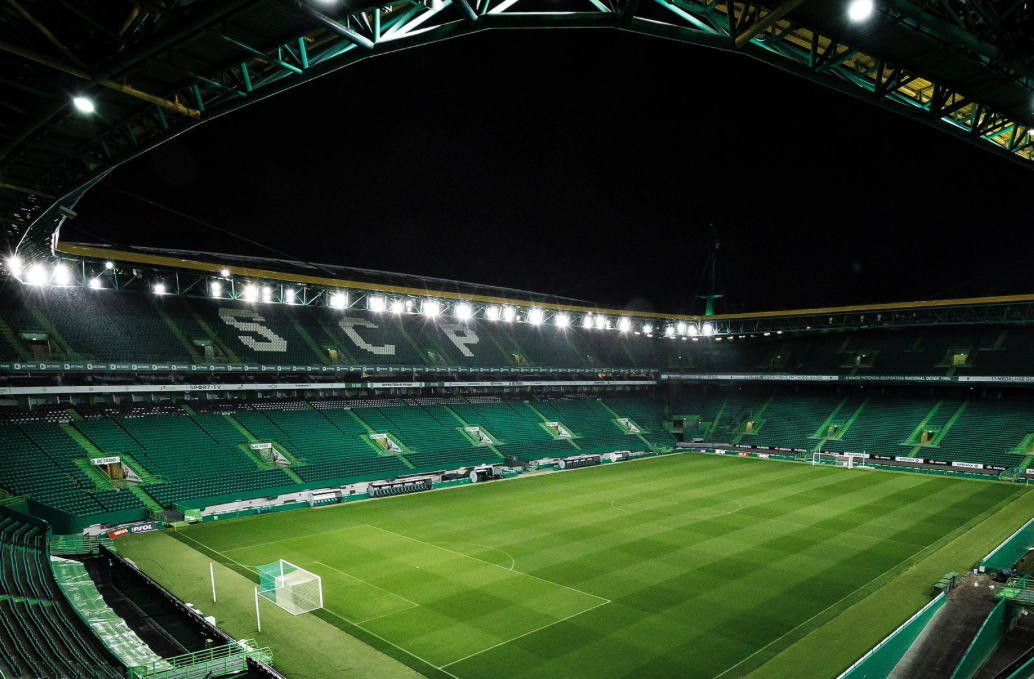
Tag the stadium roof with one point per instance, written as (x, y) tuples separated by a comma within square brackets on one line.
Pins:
[(153, 69)]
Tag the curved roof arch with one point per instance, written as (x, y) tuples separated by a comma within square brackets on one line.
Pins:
[(158, 68)]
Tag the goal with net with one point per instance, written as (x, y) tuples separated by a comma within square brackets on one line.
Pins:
[(849, 460), (293, 589)]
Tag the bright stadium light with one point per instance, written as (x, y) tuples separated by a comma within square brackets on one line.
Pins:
[(376, 303), (37, 275), (680, 328), (61, 276), (225, 273), (670, 331), (215, 289), (289, 295), (397, 306), (430, 307), (14, 265), (338, 300), (159, 288), (562, 320), (624, 324), (109, 265), (587, 321), (95, 283), (509, 313), (463, 311), (647, 328), (693, 330), (84, 104), (267, 293), (492, 313), (860, 10), (708, 329), (601, 322), (250, 293), (536, 316)]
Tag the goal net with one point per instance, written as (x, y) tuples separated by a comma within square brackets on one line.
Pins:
[(293, 589), (836, 460)]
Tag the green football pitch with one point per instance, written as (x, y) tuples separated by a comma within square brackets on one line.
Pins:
[(678, 566)]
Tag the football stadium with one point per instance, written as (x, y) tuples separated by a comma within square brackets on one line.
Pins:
[(220, 460)]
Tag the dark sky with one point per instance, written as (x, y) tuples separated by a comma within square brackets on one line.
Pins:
[(588, 163)]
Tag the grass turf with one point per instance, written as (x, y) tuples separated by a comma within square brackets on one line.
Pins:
[(686, 565)]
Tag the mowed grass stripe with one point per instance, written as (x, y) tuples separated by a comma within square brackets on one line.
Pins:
[(697, 589)]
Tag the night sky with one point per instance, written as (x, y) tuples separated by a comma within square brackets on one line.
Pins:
[(588, 164)]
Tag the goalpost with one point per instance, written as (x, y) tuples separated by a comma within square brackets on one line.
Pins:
[(848, 460), (293, 589)]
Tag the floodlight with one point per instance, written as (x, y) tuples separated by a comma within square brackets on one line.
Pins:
[(647, 328), (396, 306), (267, 293), (60, 276), (250, 293), (338, 300), (109, 265), (680, 328), (708, 329), (376, 303), (587, 321), (216, 288), (37, 275), (624, 324), (509, 313), (860, 10), (84, 104), (14, 265), (601, 322), (766, 334), (159, 288), (225, 273), (289, 295), (562, 320), (462, 311), (693, 330), (670, 331), (430, 307), (535, 316), (95, 283), (492, 313)]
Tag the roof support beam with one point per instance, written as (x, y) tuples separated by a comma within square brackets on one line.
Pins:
[(345, 32), (766, 21)]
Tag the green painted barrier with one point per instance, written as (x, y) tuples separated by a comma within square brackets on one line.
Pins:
[(1026, 670), (879, 662), (985, 642), (1010, 551)]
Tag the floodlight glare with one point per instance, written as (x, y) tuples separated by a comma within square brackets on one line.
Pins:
[(670, 331), (95, 283), (376, 303), (215, 288), (396, 306), (492, 313), (587, 321), (860, 10), (624, 324), (509, 313), (61, 275), (535, 316), (601, 322), (562, 320), (159, 288), (463, 311), (338, 300), (680, 328), (693, 330), (109, 265), (14, 265), (708, 329), (647, 328), (37, 275), (289, 295), (84, 104), (430, 307), (225, 273), (250, 293), (267, 294)]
